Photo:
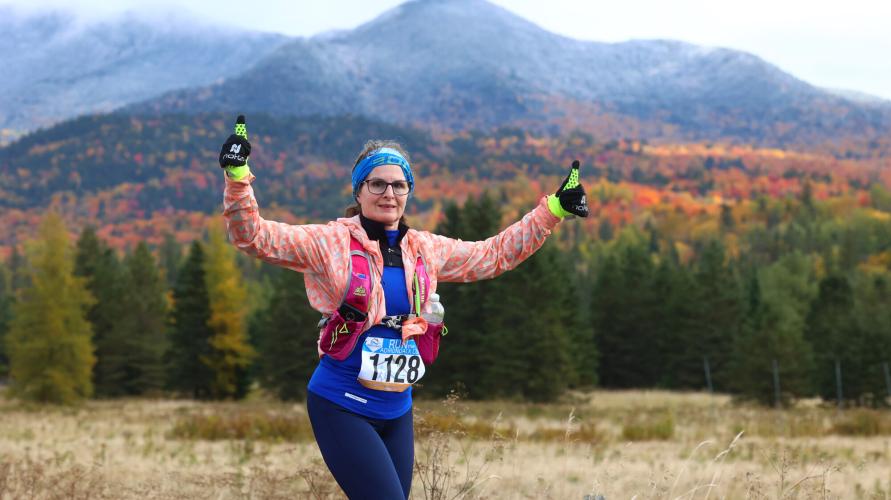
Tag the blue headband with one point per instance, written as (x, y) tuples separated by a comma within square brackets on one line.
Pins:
[(382, 156)]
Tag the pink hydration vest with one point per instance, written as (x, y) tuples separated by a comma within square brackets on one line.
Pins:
[(341, 330)]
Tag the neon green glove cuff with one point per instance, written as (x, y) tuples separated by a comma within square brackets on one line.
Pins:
[(555, 207), (238, 173)]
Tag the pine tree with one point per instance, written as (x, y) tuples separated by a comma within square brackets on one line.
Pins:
[(171, 259), (873, 318), (190, 332), (230, 353), (143, 324), (674, 326), (714, 309), (605, 230), (98, 264), (286, 338), (49, 346), (832, 331), (627, 314), (581, 335), (526, 348), (18, 277), (460, 356), (6, 303), (780, 296)]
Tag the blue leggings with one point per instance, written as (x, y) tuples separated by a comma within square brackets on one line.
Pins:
[(369, 458)]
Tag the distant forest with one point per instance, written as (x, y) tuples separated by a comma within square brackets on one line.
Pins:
[(760, 272), (771, 297)]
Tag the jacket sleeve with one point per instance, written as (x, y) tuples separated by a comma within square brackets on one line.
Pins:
[(297, 247), (465, 261)]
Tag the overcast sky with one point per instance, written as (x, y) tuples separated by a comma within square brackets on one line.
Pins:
[(838, 44)]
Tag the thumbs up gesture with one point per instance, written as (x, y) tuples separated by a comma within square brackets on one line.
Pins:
[(570, 199), (235, 151)]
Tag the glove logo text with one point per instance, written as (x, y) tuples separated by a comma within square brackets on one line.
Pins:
[(236, 148)]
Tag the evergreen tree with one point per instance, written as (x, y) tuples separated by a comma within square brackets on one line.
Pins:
[(230, 353), (716, 313), (627, 314), (286, 338), (18, 277), (190, 332), (675, 325), (873, 318), (143, 324), (728, 223), (171, 253), (48, 344), (832, 333), (780, 295), (6, 302), (526, 349), (460, 357), (98, 264), (583, 352), (605, 230)]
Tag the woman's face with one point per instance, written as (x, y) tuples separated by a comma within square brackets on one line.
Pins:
[(388, 207)]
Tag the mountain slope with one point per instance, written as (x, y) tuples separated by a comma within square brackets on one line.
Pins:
[(59, 67), (468, 63)]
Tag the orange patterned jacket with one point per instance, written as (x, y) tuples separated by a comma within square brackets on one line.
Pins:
[(321, 251)]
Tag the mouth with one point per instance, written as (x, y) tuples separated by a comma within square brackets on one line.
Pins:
[(387, 207)]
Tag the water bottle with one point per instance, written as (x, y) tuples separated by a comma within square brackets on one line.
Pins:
[(436, 310)]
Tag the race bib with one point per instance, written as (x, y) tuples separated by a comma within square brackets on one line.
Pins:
[(390, 365)]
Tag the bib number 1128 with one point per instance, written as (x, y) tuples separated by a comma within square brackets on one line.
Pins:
[(390, 364), (400, 368)]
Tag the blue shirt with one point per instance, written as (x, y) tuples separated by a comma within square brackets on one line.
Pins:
[(337, 381)]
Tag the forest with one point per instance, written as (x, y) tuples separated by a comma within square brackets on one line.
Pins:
[(771, 299)]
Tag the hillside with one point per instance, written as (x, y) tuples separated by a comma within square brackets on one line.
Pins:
[(484, 68), (59, 66), (141, 176)]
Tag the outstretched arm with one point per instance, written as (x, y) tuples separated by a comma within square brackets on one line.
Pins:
[(464, 261), (296, 247)]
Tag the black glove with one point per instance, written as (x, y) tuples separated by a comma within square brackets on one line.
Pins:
[(571, 196), (236, 149)]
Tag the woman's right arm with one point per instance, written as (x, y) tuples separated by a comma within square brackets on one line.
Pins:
[(297, 247)]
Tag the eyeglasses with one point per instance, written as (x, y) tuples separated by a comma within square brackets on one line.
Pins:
[(379, 186)]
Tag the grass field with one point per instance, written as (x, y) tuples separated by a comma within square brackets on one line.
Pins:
[(615, 444)]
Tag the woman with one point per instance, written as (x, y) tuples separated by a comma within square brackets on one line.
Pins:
[(371, 278)]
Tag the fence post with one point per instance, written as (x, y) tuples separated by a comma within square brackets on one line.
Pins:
[(776, 383), (838, 383), (708, 375)]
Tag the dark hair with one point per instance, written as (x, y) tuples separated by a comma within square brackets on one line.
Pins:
[(374, 145)]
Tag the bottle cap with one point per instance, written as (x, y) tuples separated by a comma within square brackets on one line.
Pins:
[(434, 297)]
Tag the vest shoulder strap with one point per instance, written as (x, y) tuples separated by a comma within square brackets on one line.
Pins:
[(359, 287)]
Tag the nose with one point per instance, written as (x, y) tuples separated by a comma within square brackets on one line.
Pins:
[(389, 189)]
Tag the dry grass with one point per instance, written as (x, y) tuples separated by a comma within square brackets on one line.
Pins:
[(616, 444)]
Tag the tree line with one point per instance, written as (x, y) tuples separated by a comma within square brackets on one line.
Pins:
[(796, 305)]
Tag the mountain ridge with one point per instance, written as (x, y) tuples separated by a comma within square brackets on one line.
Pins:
[(452, 65), (63, 67), (484, 67)]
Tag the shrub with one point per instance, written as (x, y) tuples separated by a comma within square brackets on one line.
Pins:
[(656, 428), (259, 426)]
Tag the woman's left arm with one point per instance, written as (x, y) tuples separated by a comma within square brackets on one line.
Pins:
[(463, 261)]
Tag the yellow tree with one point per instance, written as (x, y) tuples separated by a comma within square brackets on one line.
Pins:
[(230, 352), (50, 340)]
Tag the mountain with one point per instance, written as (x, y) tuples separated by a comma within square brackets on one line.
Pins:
[(459, 64), (58, 66)]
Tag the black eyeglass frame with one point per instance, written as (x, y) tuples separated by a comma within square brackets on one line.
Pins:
[(388, 184)]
